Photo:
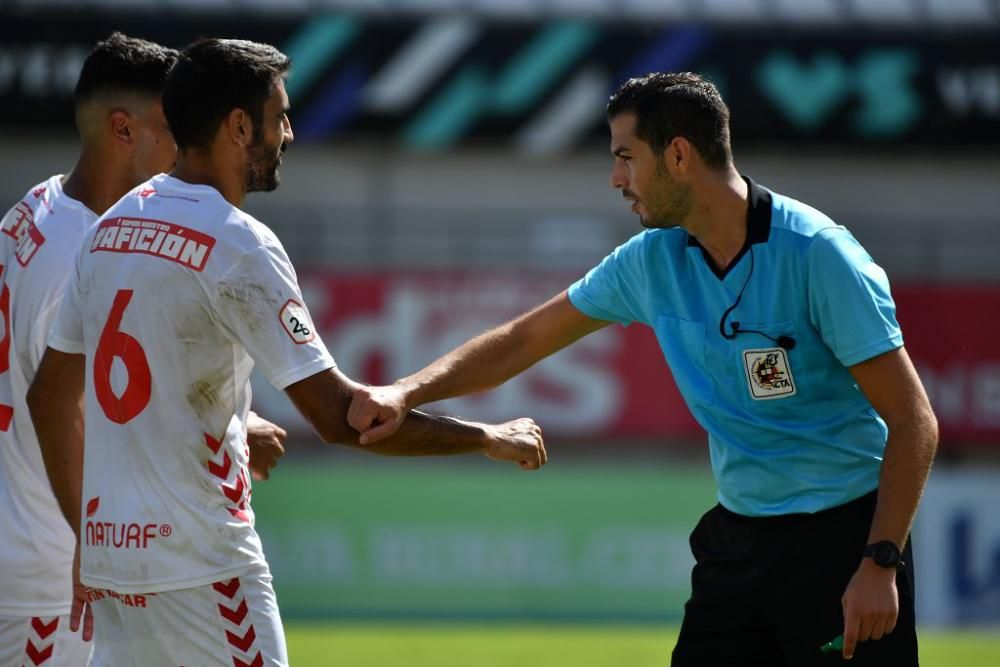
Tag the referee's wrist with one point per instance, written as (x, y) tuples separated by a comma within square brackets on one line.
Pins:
[(869, 566)]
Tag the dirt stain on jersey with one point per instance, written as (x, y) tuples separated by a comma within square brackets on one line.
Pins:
[(206, 399), (194, 328), (249, 301)]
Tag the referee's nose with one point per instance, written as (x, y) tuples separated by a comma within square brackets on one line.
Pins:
[(619, 176)]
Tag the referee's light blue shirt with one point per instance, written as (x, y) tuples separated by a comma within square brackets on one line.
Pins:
[(789, 430)]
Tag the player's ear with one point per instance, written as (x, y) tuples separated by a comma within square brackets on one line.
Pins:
[(120, 125), (239, 125)]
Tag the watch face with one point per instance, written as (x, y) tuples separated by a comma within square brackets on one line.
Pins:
[(886, 554)]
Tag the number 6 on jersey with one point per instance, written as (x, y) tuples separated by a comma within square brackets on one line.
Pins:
[(117, 343)]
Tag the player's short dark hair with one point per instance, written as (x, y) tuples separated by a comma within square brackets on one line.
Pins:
[(122, 64), (677, 104), (214, 76)]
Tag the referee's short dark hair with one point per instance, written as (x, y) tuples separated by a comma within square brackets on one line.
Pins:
[(677, 104), (214, 76), (122, 64)]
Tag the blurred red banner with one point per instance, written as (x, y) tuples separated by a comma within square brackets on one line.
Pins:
[(615, 384)]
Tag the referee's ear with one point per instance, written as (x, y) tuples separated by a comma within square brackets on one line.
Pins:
[(678, 156)]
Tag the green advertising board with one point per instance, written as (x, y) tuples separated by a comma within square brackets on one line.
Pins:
[(438, 539)]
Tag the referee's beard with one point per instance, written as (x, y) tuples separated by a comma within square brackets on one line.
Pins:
[(668, 203)]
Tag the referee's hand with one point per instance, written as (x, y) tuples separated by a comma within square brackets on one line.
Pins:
[(871, 605)]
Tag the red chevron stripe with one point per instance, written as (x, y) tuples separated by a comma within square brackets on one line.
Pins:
[(221, 471), (257, 662), (42, 629), (212, 443), (38, 657), (242, 643), (234, 616), (227, 588), (246, 483), (234, 492), (239, 514), (6, 415)]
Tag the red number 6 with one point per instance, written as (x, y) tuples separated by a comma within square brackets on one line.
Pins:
[(116, 343)]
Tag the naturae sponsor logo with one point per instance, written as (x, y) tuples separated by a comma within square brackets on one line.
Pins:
[(118, 535)]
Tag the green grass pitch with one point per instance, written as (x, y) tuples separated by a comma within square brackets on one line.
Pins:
[(460, 645)]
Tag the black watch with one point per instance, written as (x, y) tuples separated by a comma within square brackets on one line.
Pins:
[(884, 553)]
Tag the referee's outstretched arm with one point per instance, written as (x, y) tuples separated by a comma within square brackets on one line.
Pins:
[(479, 364)]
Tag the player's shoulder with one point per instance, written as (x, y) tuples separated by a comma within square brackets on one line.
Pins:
[(39, 196), (165, 197), (250, 229)]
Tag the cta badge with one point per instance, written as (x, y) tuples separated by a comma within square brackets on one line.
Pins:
[(768, 374), (295, 319)]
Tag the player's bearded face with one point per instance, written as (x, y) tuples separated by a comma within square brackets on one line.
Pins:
[(263, 160)]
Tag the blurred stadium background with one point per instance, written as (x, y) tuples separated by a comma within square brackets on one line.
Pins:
[(450, 169)]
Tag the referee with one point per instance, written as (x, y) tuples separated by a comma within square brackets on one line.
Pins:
[(782, 337)]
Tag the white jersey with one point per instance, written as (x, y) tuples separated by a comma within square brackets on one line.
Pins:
[(176, 293), (39, 241)]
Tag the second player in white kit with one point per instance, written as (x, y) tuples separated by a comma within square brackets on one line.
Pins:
[(124, 140), (39, 238)]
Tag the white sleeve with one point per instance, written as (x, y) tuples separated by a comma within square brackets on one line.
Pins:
[(259, 302), (67, 328)]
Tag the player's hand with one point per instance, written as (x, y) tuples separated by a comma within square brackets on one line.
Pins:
[(377, 412), (871, 605), (519, 441), (267, 445), (80, 612)]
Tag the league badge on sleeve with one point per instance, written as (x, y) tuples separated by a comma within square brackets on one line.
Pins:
[(295, 318), (768, 374)]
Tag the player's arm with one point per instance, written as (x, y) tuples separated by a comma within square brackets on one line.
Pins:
[(482, 363), (324, 398), (892, 386), (55, 400)]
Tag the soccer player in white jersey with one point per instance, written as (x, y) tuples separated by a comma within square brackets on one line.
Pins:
[(175, 295), (125, 140)]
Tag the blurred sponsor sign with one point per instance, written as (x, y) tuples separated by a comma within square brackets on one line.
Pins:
[(435, 539), (615, 383), (957, 548), (951, 334), (481, 540), (432, 82)]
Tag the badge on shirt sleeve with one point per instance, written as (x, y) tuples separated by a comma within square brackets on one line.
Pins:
[(768, 374), (295, 319)]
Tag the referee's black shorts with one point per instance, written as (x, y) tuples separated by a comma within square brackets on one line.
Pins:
[(766, 591)]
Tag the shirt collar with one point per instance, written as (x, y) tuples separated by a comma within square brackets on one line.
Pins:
[(758, 215)]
